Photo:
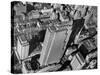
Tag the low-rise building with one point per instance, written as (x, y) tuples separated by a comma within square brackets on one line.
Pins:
[(77, 62)]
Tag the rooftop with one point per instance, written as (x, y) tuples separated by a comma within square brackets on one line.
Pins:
[(60, 26), (23, 39)]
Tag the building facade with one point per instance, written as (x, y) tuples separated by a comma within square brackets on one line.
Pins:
[(77, 62), (54, 44), (22, 47)]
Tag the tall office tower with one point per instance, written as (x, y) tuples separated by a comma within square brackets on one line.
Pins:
[(54, 43), (77, 61), (22, 47)]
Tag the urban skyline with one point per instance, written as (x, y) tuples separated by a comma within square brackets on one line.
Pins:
[(49, 37)]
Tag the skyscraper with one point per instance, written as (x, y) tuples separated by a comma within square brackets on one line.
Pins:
[(22, 46), (54, 43)]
